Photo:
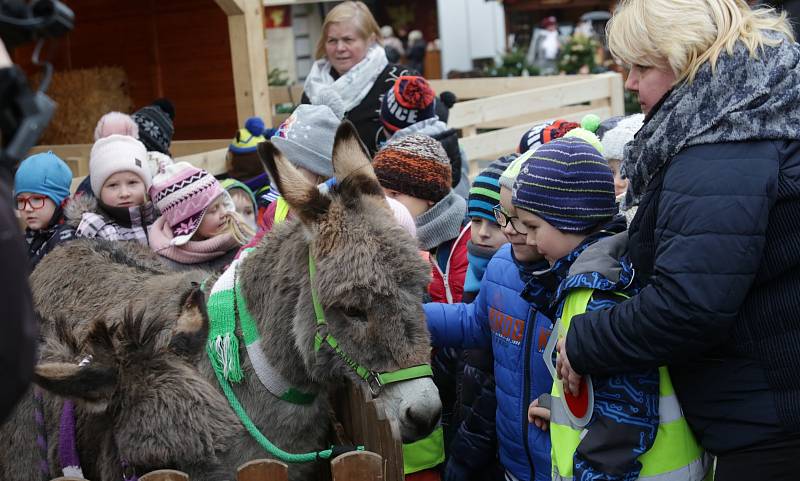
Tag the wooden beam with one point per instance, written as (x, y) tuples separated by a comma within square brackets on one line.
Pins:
[(231, 7), (249, 59)]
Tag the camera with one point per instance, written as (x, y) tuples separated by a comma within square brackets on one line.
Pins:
[(24, 113)]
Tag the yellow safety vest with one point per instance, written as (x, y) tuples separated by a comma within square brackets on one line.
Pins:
[(281, 210), (675, 455)]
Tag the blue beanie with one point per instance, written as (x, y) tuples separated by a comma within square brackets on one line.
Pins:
[(485, 191), (44, 174), (568, 183)]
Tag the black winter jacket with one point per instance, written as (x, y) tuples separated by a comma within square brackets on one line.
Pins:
[(717, 241)]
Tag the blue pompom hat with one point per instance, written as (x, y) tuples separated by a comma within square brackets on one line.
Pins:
[(568, 183), (44, 174), (248, 138)]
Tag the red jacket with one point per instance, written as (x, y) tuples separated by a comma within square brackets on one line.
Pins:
[(448, 286)]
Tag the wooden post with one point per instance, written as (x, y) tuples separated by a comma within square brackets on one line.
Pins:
[(617, 95), (358, 466), (249, 58), (263, 470)]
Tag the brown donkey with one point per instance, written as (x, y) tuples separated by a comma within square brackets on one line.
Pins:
[(369, 280)]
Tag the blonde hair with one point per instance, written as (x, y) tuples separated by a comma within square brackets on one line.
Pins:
[(682, 35), (236, 226), (356, 13)]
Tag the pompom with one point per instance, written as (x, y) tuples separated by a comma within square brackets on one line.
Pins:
[(448, 98), (254, 125), (329, 97), (167, 106), (590, 122), (116, 123), (417, 93)]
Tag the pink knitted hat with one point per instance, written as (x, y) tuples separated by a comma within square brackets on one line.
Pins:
[(116, 123), (183, 193)]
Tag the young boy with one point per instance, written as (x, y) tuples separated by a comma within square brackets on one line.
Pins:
[(244, 199), (41, 188), (120, 178), (564, 197), (500, 320)]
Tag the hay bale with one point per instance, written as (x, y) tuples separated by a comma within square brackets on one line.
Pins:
[(83, 96)]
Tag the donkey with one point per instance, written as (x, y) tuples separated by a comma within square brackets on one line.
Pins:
[(369, 281)]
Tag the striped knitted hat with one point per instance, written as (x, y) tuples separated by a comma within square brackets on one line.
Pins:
[(414, 165), (568, 183), (543, 133), (485, 191)]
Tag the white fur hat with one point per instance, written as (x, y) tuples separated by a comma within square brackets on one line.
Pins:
[(615, 139), (118, 153)]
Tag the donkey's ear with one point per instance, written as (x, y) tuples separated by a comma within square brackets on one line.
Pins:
[(191, 329), (351, 163), (302, 196)]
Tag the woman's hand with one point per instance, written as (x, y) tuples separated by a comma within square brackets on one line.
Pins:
[(540, 416), (571, 379)]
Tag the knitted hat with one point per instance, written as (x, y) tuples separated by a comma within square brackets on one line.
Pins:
[(248, 138), (543, 133), (485, 191), (231, 184), (306, 138), (567, 183), (116, 123), (155, 123), (183, 193), (410, 100), (614, 140), (415, 165), (44, 174), (117, 153), (512, 171)]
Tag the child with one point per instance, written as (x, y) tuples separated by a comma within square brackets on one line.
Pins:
[(614, 141), (241, 161), (473, 422), (564, 197), (156, 125), (501, 320), (243, 199), (199, 225), (120, 177), (41, 188)]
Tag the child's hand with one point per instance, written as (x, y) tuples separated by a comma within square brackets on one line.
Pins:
[(538, 415)]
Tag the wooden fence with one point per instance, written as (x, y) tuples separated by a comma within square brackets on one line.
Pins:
[(492, 114), (361, 420)]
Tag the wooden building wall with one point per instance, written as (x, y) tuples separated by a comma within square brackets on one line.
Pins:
[(177, 49)]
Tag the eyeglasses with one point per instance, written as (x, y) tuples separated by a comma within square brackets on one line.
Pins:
[(504, 219), (35, 201)]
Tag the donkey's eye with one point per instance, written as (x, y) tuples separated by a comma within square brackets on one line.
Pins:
[(354, 313)]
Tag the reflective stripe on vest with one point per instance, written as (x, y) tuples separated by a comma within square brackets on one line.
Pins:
[(426, 453), (281, 210), (675, 455)]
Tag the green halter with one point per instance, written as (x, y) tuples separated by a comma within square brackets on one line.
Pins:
[(375, 380)]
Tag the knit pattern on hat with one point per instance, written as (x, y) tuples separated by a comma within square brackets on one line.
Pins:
[(44, 174), (118, 153), (410, 100), (183, 194), (615, 140), (485, 191), (247, 139), (567, 183), (543, 133), (415, 165), (155, 127)]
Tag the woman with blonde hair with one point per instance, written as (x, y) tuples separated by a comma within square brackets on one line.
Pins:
[(351, 74), (715, 171)]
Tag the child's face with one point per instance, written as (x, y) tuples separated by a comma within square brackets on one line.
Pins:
[(37, 210), (244, 206), (415, 205), (123, 189), (214, 220), (486, 233), (620, 184), (549, 241), (522, 251)]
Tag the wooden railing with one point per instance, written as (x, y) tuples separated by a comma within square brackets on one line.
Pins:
[(492, 114)]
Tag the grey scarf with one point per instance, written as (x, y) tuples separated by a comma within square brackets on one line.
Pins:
[(744, 99), (442, 222)]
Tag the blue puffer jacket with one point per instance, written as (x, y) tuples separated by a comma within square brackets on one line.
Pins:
[(517, 333)]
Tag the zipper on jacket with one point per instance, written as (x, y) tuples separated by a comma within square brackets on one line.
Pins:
[(530, 326)]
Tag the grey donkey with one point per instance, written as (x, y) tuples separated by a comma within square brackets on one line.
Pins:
[(370, 279)]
